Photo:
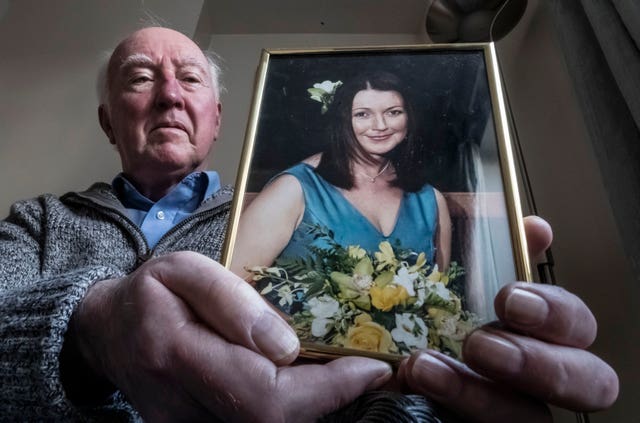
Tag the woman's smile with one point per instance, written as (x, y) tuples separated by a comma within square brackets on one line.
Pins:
[(379, 137), (379, 120)]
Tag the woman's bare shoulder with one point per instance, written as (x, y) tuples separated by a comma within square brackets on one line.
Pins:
[(282, 198), (314, 160), (283, 184), (440, 199)]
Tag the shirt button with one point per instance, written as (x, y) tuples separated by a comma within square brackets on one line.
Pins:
[(160, 215)]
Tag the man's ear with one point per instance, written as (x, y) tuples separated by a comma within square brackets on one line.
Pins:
[(105, 122), (218, 121)]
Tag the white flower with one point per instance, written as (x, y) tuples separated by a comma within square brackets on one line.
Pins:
[(405, 279), (323, 92), (327, 86), (320, 327), (410, 330), (439, 289), (420, 292), (286, 296), (448, 326), (453, 328), (323, 307), (362, 282)]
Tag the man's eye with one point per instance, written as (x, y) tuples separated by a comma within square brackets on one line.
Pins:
[(192, 79), (140, 80)]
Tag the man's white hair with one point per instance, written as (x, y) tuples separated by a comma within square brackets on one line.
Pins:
[(102, 82)]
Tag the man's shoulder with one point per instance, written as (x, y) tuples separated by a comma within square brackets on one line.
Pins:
[(44, 198), (224, 196), (97, 188), (36, 208), (97, 192)]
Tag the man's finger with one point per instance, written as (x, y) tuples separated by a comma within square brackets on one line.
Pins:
[(240, 385), (568, 377), (546, 312), (466, 393), (228, 305), (539, 235), (328, 387)]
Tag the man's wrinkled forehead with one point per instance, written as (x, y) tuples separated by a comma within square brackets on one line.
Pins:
[(149, 48), (143, 60)]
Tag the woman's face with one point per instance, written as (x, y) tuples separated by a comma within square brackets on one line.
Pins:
[(379, 120)]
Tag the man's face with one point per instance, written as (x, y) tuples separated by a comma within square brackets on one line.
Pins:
[(162, 112)]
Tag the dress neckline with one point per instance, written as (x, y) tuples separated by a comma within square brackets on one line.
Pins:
[(355, 210)]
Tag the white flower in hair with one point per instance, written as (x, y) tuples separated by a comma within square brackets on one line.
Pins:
[(323, 92)]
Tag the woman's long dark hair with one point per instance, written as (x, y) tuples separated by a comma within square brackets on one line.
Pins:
[(407, 157)]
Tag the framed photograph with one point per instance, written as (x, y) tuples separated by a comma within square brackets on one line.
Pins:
[(376, 203)]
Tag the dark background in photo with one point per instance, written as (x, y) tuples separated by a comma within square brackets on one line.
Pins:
[(450, 95)]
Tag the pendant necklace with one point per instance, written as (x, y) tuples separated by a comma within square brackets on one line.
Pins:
[(372, 179)]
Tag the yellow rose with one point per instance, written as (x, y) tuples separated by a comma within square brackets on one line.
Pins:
[(387, 297), (369, 336)]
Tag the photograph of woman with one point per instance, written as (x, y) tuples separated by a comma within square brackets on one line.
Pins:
[(366, 188), (362, 208), (377, 219)]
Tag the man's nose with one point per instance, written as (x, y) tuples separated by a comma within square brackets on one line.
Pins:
[(169, 94)]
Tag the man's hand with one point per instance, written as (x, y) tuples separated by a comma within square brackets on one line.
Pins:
[(185, 339), (534, 355)]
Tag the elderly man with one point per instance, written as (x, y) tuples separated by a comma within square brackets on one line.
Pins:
[(114, 308)]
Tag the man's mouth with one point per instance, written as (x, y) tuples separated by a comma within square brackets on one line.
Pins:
[(171, 125)]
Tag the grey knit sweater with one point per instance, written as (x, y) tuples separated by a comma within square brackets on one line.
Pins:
[(51, 251)]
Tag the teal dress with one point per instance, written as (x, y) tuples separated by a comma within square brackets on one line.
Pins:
[(326, 207)]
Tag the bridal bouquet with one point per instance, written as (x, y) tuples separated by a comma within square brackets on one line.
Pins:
[(392, 301)]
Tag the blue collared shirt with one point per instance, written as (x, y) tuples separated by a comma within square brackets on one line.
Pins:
[(156, 219)]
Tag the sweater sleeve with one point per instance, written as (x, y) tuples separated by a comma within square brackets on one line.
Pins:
[(34, 315)]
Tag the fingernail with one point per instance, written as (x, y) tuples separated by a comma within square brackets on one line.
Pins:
[(526, 308), (274, 337), (492, 353), (434, 377)]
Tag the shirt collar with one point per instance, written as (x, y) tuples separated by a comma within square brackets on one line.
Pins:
[(201, 184)]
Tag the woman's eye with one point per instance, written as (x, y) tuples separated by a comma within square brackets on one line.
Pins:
[(360, 115), (395, 112)]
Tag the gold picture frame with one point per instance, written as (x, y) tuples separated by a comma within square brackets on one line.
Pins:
[(459, 119)]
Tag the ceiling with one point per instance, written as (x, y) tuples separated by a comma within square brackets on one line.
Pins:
[(79, 25), (312, 16)]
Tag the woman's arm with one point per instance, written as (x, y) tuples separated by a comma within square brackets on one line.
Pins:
[(443, 233), (267, 224)]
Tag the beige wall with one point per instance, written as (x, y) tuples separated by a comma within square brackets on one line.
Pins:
[(569, 192), (50, 140)]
